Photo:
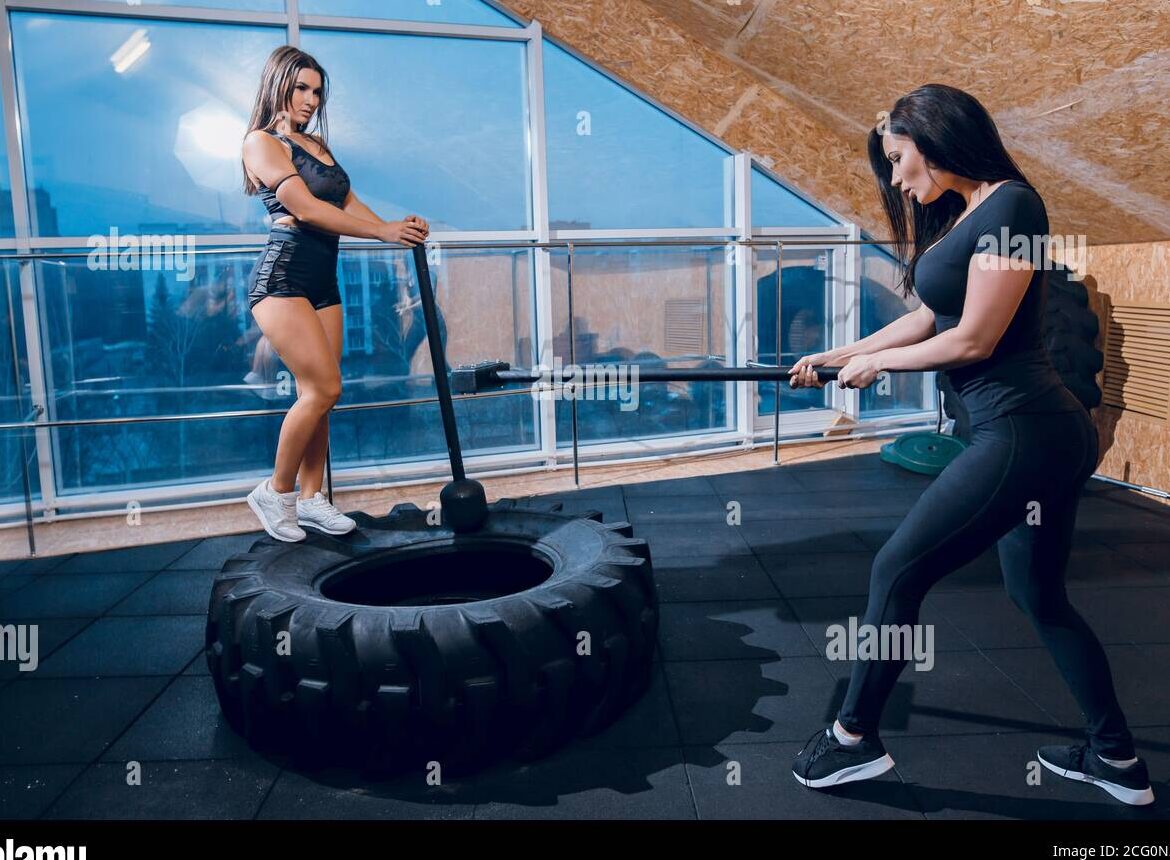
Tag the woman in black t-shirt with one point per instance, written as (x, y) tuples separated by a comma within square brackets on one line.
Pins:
[(977, 259)]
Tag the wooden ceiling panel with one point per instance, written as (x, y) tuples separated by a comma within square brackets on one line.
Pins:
[(1080, 89)]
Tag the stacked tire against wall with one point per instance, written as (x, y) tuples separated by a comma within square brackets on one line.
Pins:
[(1070, 330), (513, 639)]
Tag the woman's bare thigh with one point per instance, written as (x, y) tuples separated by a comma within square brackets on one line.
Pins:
[(299, 336)]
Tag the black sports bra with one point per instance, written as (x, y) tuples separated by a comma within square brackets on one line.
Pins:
[(328, 182)]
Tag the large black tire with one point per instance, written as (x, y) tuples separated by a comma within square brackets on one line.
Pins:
[(390, 686), (1069, 331)]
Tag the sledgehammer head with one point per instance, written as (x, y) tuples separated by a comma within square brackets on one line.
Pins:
[(474, 378), (463, 505)]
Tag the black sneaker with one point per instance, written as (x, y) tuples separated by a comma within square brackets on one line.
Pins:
[(1128, 784), (826, 762)]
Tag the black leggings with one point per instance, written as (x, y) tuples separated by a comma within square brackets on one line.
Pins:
[(984, 497)]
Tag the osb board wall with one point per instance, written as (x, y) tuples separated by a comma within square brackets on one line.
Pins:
[(1078, 90), (1135, 448)]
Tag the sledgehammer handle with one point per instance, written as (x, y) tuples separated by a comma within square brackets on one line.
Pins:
[(438, 361)]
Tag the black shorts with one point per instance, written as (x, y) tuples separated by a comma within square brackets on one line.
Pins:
[(296, 262)]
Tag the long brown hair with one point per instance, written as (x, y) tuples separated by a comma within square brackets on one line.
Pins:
[(277, 82), (954, 132)]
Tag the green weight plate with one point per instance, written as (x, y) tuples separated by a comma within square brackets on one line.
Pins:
[(925, 453)]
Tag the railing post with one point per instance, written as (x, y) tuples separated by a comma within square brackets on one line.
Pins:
[(28, 520), (776, 405), (573, 363)]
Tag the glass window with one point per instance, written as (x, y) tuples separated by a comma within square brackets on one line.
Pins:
[(170, 335), (249, 5), (388, 357), (7, 220), (246, 5), (615, 161), (646, 307), (881, 304), (156, 341), (136, 125), (436, 11), (773, 205), (805, 299), (431, 125)]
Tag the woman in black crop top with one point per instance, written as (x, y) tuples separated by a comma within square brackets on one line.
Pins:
[(293, 291), (977, 259)]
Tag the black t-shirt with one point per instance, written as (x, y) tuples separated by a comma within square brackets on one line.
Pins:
[(1018, 376)]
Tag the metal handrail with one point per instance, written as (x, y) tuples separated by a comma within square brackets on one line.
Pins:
[(246, 413), (254, 413), (522, 245)]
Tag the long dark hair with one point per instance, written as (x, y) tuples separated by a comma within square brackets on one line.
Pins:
[(277, 82), (954, 132)]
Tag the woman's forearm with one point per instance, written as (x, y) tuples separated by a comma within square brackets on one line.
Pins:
[(360, 210), (326, 216), (948, 349), (907, 329)]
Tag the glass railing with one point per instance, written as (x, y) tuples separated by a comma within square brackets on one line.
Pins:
[(156, 385)]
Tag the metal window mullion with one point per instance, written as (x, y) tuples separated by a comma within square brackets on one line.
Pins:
[(740, 313), (847, 298), (544, 408), (292, 8), (20, 211), (537, 152), (30, 312)]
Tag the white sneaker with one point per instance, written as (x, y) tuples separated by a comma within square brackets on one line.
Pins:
[(318, 513), (277, 512)]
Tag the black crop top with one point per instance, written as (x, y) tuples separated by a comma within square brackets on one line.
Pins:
[(1018, 376), (328, 182)]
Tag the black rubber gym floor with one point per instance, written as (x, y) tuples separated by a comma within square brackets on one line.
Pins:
[(741, 681)]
